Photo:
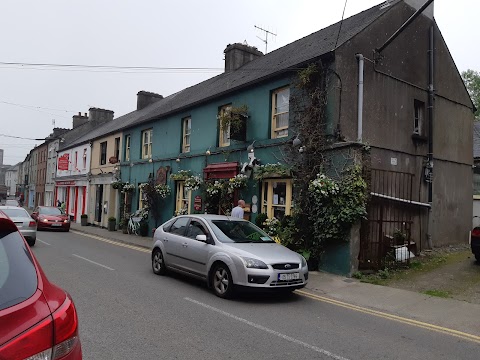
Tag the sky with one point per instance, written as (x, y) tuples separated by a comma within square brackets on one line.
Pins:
[(152, 33)]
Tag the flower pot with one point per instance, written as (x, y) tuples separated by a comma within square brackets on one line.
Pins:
[(112, 225), (83, 221)]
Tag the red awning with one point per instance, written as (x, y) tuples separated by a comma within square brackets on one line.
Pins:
[(225, 170)]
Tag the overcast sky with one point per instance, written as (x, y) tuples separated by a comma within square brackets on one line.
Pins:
[(190, 34)]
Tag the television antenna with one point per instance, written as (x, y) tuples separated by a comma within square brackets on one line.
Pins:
[(53, 123), (266, 36)]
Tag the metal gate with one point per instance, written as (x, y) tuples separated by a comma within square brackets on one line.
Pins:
[(386, 234)]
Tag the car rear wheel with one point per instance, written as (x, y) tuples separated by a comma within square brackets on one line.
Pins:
[(222, 282), (158, 263), (31, 242)]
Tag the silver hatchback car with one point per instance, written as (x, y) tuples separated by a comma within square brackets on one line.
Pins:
[(227, 253), (25, 224)]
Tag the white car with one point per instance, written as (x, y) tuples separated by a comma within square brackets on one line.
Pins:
[(227, 253), (24, 222)]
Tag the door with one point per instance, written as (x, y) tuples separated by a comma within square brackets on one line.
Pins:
[(173, 241), (99, 204), (196, 252)]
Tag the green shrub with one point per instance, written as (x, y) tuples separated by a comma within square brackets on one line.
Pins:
[(112, 218), (260, 219)]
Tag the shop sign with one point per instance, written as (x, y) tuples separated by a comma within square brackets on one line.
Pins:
[(197, 203), (63, 162)]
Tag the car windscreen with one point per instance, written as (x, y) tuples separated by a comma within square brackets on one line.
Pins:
[(239, 232), (50, 211), (18, 276), (16, 213)]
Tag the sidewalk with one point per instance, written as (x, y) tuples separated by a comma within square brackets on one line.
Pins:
[(453, 314)]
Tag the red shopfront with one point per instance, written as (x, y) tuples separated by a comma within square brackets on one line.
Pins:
[(74, 196)]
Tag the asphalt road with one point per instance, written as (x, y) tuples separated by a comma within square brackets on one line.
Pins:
[(127, 312)]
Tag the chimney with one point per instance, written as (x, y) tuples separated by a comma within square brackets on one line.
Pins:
[(79, 120), (237, 55), (100, 115), (145, 98)]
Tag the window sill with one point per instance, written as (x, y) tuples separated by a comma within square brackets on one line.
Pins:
[(419, 138)]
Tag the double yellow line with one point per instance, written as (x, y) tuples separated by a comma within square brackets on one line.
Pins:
[(112, 242), (423, 325)]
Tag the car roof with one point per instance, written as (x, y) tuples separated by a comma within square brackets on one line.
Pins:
[(213, 217), (8, 207)]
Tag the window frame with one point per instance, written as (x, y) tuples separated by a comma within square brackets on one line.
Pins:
[(103, 153), (418, 117), (186, 137), (141, 202), (84, 158), (116, 148), (268, 207), (147, 146), (180, 200), (127, 147), (275, 114), (223, 134)]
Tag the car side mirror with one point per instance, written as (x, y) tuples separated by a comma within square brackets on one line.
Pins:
[(202, 238), (34, 215)]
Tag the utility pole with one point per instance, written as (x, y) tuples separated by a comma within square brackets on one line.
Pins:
[(266, 36)]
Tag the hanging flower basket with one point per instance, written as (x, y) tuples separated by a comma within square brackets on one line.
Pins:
[(181, 175), (128, 188), (193, 183), (237, 182), (261, 172), (162, 190)]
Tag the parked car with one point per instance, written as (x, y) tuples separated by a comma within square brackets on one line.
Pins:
[(475, 242), (51, 217), (25, 223), (38, 319), (11, 202), (227, 253)]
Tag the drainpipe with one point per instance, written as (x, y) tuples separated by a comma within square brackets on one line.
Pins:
[(360, 97), (431, 95)]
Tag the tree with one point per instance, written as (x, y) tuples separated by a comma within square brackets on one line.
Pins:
[(471, 78)]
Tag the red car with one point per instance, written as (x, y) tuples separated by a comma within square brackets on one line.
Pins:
[(38, 320), (50, 217)]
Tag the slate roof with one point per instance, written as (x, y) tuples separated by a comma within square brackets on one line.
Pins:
[(476, 140), (274, 63)]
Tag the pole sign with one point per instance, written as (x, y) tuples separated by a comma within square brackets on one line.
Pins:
[(197, 203)]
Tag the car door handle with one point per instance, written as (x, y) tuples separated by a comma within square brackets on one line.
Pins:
[(185, 244), (165, 239)]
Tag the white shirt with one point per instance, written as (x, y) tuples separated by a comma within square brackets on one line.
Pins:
[(237, 212)]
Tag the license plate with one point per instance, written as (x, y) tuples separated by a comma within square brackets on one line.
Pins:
[(56, 224), (291, 276)]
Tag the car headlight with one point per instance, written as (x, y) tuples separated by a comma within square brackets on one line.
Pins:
[(45, 220), (65, 221), (254, 263), (304, 262)]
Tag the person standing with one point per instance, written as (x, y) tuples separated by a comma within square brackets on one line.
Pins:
[(238, 211)]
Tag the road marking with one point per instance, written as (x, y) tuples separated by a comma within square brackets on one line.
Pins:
[(113, 242), (43, 242), (93, 262), (270, 331), (420, 324)]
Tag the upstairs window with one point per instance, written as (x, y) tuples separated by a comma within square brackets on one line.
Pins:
[(103, 153), (76, 160), (117, 149), (127, 148), (280, 111), (147, 144), (84, 158), (224, 131), (187, 129), (419, 116)]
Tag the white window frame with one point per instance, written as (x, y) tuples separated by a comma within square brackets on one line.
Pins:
[(141, 203), (181, 199), (418, 117), (268, 203), (223, 134), (127, 147), (147, 144), (84, 158), (187, 131), (275, 113)]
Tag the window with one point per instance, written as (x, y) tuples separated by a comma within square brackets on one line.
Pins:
[(179, 226), (127, 148), (103, 153), (84, 158), (277, 197), (196, 228), (280, 108), (224, 133), (147, 144), (117, 149), (141, 197), (187, 128), (76, 160), (419, 116), (183, 199)]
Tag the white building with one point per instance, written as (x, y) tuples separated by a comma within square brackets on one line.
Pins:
[(11, 180)]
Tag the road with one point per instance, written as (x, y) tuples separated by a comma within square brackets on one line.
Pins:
[(127, 312)]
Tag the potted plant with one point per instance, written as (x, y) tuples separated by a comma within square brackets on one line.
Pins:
[(83, 219), (112, 223), (235, 118)]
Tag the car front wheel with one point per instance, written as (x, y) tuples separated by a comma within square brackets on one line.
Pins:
[(158, 263), (222, 282)]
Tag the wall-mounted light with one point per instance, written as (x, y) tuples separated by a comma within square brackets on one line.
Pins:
[(208, 152), (177, 160), (301, 149), (250, 147), (296, 142), (150, 160)]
